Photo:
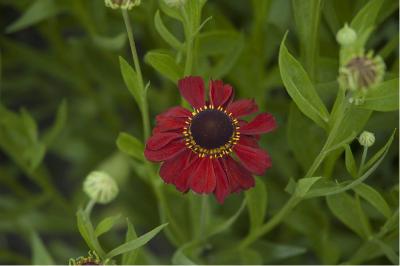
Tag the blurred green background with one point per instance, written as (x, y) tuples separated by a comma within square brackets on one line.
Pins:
[(63, 70)]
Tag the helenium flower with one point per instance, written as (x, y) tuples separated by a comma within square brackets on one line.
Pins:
[(197, 147)]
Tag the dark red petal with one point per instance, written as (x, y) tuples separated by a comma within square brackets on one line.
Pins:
[(220, 93), (169, 151), (167, 123), (157, 141), (177, 111), (253, 159), (222, 189), (242, 107), (192, 89), (203, 180), (182, 180), (239, 177), (249, 141), (172, 168), (262, 123)]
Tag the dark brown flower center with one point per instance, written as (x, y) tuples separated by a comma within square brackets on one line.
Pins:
[(211, 132), (365, 69), (211, 129)]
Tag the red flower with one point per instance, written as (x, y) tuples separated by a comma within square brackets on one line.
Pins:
[(196, 147)]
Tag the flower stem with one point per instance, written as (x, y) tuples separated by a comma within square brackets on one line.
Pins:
[(363, 158), (143, 105), (271, 224), (90, 206), (203, 213)]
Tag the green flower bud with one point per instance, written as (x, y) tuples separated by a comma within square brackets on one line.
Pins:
[(101, 187), (175, 3), (122, 4), (346, 36), (366, 139)]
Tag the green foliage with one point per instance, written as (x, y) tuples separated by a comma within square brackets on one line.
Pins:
[(40, 255), (70, 69), (300, 88)]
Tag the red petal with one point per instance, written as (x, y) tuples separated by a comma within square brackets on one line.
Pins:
[(239, 177), (222, 189), (172, 168), (167, 123), (203, 179), (169, 151), (177, 111), (253, 159), (262, 123), (182, 180), (192, 89), (157, 141), (220, 94), (249, 141), (242, 107)]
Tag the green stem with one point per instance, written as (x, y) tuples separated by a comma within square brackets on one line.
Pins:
[(189, 43), (90, 206), (363, 158), (203, 213), (143, 106), (271, 224)]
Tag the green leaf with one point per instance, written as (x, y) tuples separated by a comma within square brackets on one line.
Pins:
[(165, 64), (37, 12), (165, 33), (257, 204), (332, 188), (86, 230), (227, 224), (58, 125), (135, 243), (381, 153), (129, 258), (350, 162), (300, 88), (250, 257), (307, 17), (40, 255), (304, 185), (374, 198), (132, 82), (105, 225), (353, 122), (364, 21), (273, 252), (344, 207), (130, 145), (384, 97), (114, 43), (179, 257), (170, 11), (29, 125), (388, 251)]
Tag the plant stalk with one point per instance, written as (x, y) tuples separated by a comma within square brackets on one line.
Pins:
[(143, 105)]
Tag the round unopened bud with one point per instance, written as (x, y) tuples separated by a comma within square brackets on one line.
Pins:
[(100, 187), (346, 35), (366, 139), (175, 3), (122, 4)]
